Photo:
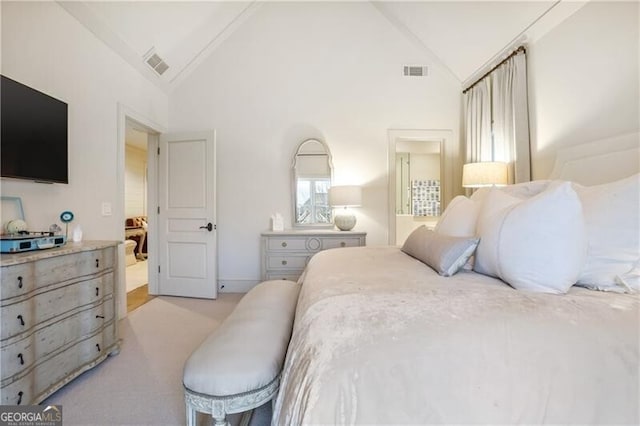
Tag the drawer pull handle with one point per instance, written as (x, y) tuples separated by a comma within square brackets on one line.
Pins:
[(97, 263), (20, 397), (21, 358), (97, 291), (284, 262), (284, 244), (98, 346), (99, 316), (342, 244), (19, 282), (21, 319)]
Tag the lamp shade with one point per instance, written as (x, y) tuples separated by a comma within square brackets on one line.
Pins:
[(345, 196), (477, 175)]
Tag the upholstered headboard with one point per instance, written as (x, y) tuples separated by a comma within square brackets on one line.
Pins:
[(601, 161)]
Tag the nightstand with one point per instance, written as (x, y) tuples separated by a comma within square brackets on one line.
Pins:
[(286, 253)]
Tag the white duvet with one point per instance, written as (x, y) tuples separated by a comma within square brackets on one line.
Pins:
[(380, 338)]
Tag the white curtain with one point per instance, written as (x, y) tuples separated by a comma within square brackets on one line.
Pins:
[(497, 119), (478, 123)]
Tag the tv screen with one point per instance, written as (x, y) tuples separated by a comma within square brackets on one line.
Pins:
[(33, 135)]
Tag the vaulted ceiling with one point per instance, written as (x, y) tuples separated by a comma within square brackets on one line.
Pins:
[(461, 35)]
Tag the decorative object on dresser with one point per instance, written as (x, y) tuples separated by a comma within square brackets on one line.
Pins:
[(488, 173), (58, 315), (344, 197), (285, 254)]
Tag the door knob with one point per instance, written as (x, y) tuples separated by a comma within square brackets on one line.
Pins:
[(209, 227)]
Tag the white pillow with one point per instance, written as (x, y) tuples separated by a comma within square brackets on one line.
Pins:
[(443, 253), (495, 204), (459, 218), (612, 215), (537, 244), (520, 190)]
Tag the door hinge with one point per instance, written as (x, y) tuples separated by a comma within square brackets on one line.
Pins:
[(158, 150), (158, 268), (158, 209)]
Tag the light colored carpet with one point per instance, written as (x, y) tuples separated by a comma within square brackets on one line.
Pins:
[(143, 384), (137, 275)]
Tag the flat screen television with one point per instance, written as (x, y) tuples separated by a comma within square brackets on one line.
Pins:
[(33, 142)]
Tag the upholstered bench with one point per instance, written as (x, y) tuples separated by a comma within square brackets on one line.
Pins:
[(237, 368)]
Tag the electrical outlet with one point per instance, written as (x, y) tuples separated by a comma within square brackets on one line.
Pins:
[(106, 209)]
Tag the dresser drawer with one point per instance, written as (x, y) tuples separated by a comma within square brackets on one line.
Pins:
[(19, 392), (329, 243), (96, 346), (73, 328), (287, 262), (17, 279), (16, 358), (287, 244), (62, 268), (52, 370), (284, 275)]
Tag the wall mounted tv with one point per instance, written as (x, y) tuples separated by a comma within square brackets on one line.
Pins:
[(33, 140)]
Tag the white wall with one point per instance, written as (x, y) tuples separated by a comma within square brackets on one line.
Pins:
[(135, 182), (583, 80), (302, 70), (47, 49)]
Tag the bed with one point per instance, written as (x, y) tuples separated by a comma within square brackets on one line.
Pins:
[(381, 338)]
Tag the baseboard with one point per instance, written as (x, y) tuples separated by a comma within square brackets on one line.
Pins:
[(236, 286)]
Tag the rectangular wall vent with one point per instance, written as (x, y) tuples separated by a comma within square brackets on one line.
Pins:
[(156, 62), (414, 71)]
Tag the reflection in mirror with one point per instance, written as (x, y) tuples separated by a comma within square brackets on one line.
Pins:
[(311, 182), (418, 185)]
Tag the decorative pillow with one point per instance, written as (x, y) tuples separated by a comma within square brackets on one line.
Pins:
[(443, 253), (537, 244), (459, 218), (612, 215)]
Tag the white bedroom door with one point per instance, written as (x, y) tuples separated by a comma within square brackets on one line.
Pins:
[(186, 220)]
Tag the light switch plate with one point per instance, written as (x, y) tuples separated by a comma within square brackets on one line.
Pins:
[(106, 209)]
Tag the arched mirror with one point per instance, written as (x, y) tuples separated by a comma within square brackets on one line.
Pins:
[(312, 172)]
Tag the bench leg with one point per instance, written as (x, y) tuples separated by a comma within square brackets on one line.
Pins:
[(220, 421), (191, 415), (246, 418), (219, 413)]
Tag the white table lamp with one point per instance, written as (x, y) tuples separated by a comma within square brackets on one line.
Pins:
[(489, 173), (345, 196)]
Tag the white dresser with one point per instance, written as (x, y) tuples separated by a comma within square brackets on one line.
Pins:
[(286, 253), (58, 316)]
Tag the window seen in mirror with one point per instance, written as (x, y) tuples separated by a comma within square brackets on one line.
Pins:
[(313, 201)]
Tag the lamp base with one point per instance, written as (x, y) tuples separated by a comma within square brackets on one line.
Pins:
[(345, 221)]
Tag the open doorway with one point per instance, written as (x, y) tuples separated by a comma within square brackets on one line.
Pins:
[(420, 179), (136, 210)]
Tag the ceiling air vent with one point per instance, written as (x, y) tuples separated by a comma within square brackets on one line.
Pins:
[(156, 62), (414, 71)]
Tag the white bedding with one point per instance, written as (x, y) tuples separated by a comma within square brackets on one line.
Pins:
[(380, 338)]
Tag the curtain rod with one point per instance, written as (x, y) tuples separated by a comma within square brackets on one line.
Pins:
[(512, 54)]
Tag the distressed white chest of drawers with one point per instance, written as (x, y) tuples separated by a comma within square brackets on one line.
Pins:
[(286, 253), (58, 317)]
